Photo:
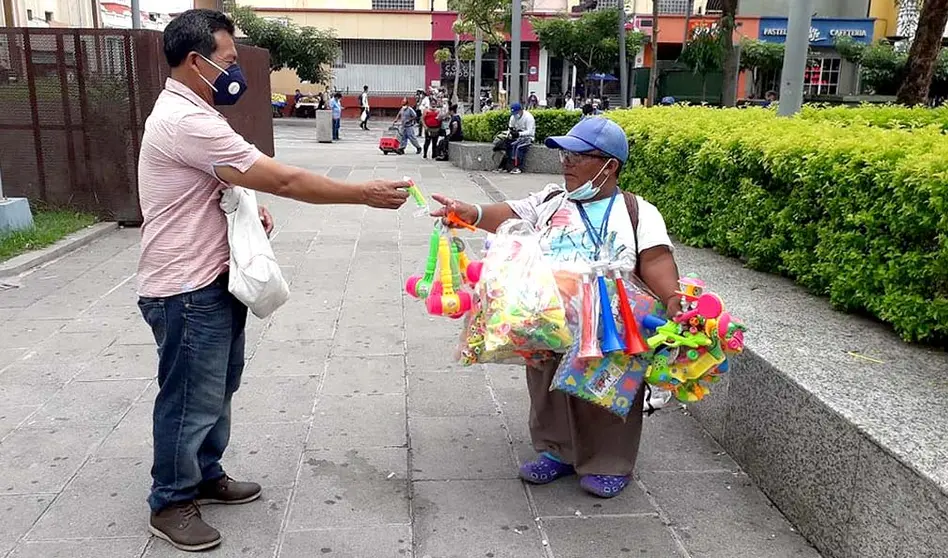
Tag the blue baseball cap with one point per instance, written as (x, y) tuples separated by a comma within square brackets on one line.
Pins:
[(515, 108), (593, 134)]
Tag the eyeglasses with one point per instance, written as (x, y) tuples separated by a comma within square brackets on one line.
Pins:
[(574, 158)]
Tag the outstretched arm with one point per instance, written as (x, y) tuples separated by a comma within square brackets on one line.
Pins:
[(492, 215)]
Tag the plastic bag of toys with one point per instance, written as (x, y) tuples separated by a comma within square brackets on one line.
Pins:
[(518, 309), (606, 365)]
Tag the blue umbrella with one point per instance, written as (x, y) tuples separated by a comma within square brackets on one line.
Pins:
[(602, 77)]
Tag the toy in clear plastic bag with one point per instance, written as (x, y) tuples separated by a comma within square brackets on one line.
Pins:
[(613, 379), (518, 310)]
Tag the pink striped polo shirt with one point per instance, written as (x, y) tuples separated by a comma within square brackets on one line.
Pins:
[(184, 233)]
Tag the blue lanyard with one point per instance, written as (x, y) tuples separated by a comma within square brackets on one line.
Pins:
[(598, 237)]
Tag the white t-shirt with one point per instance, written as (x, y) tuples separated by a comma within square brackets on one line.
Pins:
[(525, 124), (364, 100), (566, 238)]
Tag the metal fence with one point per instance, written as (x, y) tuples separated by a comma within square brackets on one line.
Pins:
[(73, 104)]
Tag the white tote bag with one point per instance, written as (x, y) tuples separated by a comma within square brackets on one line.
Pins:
[(255, 276)]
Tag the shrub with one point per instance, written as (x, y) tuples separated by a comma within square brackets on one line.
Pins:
[(857, 212), (550, 122)]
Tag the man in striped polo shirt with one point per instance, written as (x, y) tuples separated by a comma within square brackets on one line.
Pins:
[(189, 155)]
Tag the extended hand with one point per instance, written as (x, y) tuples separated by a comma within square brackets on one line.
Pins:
[(385, 194), (466, 211), (266, 219)]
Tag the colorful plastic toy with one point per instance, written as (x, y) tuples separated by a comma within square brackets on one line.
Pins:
[(419, 286), (451, 301), (589, 334), (692, 348), (415, 192), (634, 342)]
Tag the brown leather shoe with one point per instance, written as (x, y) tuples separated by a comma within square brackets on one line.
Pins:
[(181, 525), (226, 490)]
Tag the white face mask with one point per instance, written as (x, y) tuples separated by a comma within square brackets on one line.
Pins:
[(588, 191)]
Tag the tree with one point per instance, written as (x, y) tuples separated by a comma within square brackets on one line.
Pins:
[(589, 42), (704, 54), (489, 19), (924, 52), (307, 50), (761, 57), (729, 62), (653, 72)]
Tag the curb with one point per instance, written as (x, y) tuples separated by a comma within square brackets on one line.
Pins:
[(78, 239)]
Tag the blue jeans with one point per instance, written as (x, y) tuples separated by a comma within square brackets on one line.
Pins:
[(200, 337), (516, 152), (336, 122)]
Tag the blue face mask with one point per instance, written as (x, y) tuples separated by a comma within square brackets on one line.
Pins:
[(587, 191), (229, 85)]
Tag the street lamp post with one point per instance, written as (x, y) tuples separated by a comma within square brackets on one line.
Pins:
[(136, 15), (794, 59), (515, 52), (623, 63)]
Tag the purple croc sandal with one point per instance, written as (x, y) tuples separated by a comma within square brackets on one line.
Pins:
[(604, 486), (545, 469)]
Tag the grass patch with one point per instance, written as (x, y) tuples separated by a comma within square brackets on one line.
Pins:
[(48, 227)]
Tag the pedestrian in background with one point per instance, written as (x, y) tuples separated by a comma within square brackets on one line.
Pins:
[(406, 120), (336, 105)]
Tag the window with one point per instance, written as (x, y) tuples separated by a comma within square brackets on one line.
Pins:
[(673, 6), (29, 15), (49, 17), (822, 77), (607, 5), (393, 4)]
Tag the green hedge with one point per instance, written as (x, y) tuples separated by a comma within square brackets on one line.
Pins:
[(550, 122), (857, 213), (881, 116), (852, 203)]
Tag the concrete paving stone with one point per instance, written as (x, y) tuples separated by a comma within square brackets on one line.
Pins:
[(313, 275), (613, 537), (357, 421), (563, 498), (368, 339), (673, 441), (10, 356), (508, 378), (90, 403), (59, 306), (347, 492), (73, 347), (317, 300), (112, 319), (712, 411), (422, 328), (291, 326), (365, 375), (136, 332), (302, 357), (384, 541), (89, 548), (275, 399), (297, 241), (265, 453), (19, 513), (27, 333), (32, 372), (356, 312), (449, 396), (12, 415), (248, 530), (751, 528), (422, 356), (44, 459), (123, 362), (105, 499), (474, 518), (381, 244), (133, 435), (449, 448)]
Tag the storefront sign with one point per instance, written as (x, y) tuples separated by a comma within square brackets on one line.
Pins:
[(823, 32)]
